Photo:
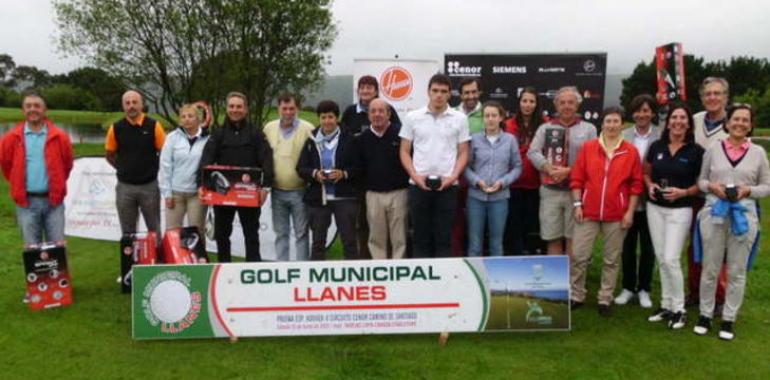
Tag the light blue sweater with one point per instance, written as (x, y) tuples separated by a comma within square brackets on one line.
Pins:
[(489, 162), (179, 163)]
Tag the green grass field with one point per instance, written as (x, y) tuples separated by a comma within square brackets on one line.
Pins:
[(92, 338)]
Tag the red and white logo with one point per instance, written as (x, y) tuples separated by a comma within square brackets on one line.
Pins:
[(396, 83)]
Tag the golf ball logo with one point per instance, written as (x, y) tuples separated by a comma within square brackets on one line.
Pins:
[(169, 303)]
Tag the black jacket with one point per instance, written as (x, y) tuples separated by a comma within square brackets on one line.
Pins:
[(240, 144), (310, 161)]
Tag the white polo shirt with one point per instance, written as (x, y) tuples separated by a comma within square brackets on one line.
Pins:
[(435, 139)]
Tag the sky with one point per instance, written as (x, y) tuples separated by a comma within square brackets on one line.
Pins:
[(426, 29)]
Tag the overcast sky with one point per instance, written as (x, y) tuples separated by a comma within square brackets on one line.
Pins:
[(425, 29)]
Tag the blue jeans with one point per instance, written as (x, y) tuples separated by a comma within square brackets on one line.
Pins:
[(494, 215), (286, 205), (38, 218)]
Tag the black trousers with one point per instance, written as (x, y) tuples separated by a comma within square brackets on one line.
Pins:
[(223, 228), (319, 218), (522, 228), (432, 214), (638, 277)]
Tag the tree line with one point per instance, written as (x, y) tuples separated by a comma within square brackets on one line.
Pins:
[(749, 79)]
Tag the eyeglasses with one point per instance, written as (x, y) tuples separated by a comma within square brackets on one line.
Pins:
[(713, 93), (741, 105)]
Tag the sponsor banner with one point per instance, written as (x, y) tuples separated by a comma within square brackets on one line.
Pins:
[(504, 76), (403, 82), (90, 211), (524, 293), (669, 61)]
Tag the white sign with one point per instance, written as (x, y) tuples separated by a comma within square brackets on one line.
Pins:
[(403, 82), (351, 297)]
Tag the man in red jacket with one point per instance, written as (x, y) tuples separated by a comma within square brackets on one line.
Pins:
[(36, 159)]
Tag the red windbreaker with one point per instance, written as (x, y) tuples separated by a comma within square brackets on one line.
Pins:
[(607, 182), (58, 163)]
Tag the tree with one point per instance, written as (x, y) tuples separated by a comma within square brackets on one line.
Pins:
[(643, 80), (30, 77), (7, 65), (106, 89), (175, 51)]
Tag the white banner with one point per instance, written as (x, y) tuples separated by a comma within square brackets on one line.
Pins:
[(90, 211), (403, 82), (351, 297)]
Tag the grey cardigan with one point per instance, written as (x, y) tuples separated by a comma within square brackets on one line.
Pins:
[(752, 171), (492, 163)]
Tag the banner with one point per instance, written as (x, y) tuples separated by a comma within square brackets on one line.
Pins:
[(525, 293), (504, 76), (403, 82), (669, 61), (90, 211)]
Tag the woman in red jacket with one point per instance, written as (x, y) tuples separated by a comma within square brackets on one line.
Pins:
[(606, 182), (522, 230)]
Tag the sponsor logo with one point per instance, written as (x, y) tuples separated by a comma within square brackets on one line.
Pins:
[(535, 314), (589, 66), (396, 83), (509, 69), (169, 304), (553, 69), (455, 69), (498, 93)]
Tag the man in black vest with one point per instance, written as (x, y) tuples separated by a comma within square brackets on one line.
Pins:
[(238, 143), (133, 146)]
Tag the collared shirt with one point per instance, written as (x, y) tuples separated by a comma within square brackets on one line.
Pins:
[(434, 139), (609, 149), (475, 118), (735, 153), (360, 108), (34, 152), (191, 139), (711, 125), (378, 134), (287, 132), (111, 144), (642, 142)]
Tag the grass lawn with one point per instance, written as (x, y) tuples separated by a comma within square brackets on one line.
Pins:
[(92, 338)]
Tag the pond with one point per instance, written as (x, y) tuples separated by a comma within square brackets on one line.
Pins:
[(79, 133)]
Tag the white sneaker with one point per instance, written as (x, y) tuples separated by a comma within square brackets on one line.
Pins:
[(644, 299), (624, 297)]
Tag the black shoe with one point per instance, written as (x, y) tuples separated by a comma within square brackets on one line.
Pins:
[(726, 331), (691, 302), (660, 315), (575, 305), (703, 326), (604, 310), (677, 320)]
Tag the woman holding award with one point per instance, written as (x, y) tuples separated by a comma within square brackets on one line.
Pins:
[(735, 174), (494, 164), (671, 171)]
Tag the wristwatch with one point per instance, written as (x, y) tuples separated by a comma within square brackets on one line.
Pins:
[(577, 204)]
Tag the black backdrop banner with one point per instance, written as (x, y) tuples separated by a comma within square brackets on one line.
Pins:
[(503, 76)]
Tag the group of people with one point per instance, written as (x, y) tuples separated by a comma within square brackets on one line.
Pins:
[(445, 181)]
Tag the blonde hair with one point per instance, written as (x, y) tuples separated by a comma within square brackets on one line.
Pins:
[(187, 107)]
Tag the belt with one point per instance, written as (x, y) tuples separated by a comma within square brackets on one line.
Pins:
[(37, 195)]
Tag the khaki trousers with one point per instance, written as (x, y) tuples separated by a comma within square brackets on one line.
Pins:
[(582, 247), (186, 204), (387, 214)]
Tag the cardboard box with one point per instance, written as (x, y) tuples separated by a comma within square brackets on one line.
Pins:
[(184, 246), (231, 186), (48, 279), (136, 248)]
